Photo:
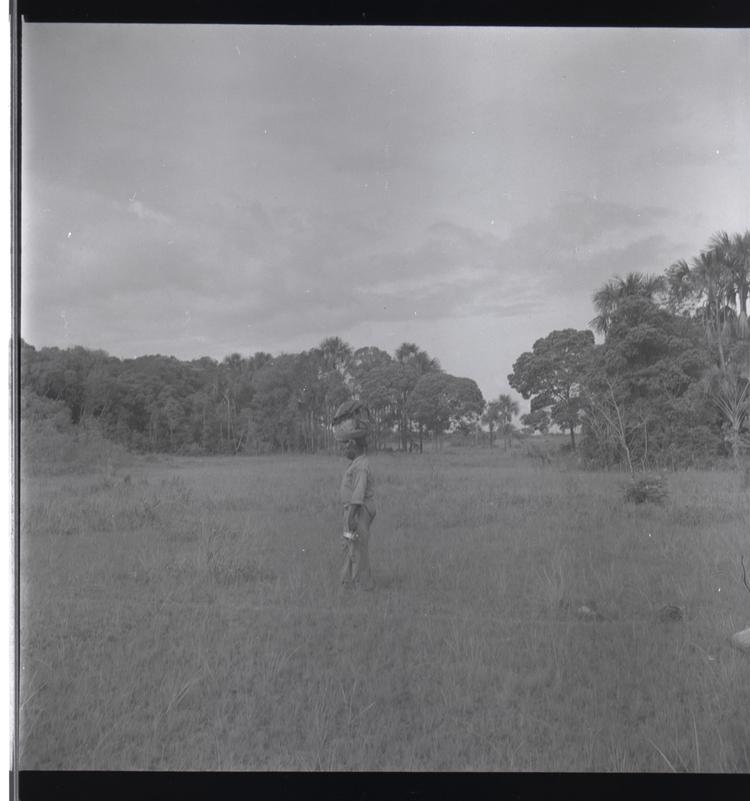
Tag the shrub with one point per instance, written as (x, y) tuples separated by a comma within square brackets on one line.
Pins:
[(647, 488), (51, 443)]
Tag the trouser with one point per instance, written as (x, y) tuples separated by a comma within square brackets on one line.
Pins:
[(355, 570)]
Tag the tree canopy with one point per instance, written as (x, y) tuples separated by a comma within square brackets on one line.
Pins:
[(240, 404), (551, 375), (441, 401)]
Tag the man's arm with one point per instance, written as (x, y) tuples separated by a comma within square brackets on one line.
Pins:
[(353, 512), (358, 498)]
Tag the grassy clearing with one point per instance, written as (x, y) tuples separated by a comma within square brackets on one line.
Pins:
[(186, 616)]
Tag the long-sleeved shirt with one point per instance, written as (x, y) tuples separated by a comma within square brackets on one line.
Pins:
[(357, 486)]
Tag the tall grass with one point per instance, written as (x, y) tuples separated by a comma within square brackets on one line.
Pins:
[(187, 616)]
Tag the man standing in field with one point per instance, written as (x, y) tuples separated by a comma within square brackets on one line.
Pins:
[(357, 497)]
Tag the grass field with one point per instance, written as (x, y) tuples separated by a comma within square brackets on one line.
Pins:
[(185, 615)]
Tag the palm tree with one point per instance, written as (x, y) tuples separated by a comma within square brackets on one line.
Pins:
[(734, 253), (409, 353), (711, 280), (499, 414), (605, 302), (729, 392), (679, 285), (509, 408), (491, 418), (608, 297)]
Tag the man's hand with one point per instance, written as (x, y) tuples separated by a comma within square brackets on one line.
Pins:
[(351, 522)]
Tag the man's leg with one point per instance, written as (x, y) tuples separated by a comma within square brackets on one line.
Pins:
[(361, 574), (347, 576)]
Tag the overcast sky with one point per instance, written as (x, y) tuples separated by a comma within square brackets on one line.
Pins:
[(203, 190)]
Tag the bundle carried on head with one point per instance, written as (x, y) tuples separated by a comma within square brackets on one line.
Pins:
[(351, 421)]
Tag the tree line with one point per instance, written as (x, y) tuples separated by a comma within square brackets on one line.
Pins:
[(669, 385), (255, 404)]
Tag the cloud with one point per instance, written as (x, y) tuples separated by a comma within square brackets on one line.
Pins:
[(579, 219), (275, 271), (253, 187), (144, 212), (456, 271), (379, 156), (718, 149)]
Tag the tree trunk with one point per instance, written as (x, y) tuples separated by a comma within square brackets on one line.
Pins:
[(735, 442), (572, 438)]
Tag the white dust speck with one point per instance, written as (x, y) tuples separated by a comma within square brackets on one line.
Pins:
[(70, 233)]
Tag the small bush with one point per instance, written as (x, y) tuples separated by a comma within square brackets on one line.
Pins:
[(51, 443), (652, 489)]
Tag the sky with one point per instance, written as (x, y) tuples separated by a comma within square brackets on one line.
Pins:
[(204, 190)]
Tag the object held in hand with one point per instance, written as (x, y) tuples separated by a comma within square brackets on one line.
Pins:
[(350, 535), (351, 421)]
